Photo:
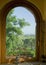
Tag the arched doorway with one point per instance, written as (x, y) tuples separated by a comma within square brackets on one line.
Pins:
[(38, 17)]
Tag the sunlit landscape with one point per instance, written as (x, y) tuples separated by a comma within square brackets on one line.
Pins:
[(20, 33)]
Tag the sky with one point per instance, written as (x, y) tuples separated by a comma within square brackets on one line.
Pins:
[(21, 12)]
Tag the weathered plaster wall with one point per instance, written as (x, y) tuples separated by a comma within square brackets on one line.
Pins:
[(45, 10), (38, 3), (45, 27), (0, 40)]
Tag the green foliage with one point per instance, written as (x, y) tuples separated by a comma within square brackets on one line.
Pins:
[(16, 42)]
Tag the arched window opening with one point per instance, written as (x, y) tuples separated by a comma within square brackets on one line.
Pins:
[(7, 51), (20, 33)]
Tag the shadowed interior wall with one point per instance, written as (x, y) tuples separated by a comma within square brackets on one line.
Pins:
[(44, 16), (0, 40)]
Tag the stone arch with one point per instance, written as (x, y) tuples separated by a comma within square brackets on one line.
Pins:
[(37, 14)]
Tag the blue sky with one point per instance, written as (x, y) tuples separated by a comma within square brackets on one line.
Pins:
[(21, 12)]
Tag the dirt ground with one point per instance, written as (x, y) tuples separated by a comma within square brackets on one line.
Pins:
[(31, 63)]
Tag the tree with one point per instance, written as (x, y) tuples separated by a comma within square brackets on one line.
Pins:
[(13, 29)]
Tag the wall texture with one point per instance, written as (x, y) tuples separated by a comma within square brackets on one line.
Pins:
[(38, 3), (45, 27)]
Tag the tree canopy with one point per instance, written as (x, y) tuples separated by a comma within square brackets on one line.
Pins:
[(13, 27), (16, 42)]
